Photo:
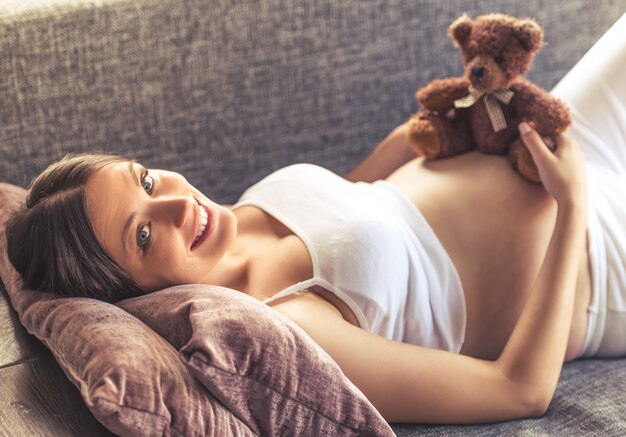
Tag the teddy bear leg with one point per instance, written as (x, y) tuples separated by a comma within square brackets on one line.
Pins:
[(521, 160), (436, 136), (423, 137)]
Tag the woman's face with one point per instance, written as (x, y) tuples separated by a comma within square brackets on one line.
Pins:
[(150, 220)]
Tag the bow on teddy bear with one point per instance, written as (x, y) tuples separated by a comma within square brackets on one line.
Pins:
[(482, 109)]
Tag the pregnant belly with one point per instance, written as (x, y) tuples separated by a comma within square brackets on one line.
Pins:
[(496, 228)]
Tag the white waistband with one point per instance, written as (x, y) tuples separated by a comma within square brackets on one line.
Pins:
[(597, 310)]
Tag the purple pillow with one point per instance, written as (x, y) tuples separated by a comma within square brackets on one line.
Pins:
[(260, 373), (258, 363)]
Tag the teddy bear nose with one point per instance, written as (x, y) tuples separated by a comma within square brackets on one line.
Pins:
[(478, 71)]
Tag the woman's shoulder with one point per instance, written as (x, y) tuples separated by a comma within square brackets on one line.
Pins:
[(307, 307), (293, 180), (301, 171)]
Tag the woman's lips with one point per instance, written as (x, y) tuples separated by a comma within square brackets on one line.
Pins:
[(208, 228)]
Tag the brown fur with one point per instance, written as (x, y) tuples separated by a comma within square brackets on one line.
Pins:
[(504, 47)]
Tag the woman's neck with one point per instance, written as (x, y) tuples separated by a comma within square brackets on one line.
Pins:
[(233, 270)]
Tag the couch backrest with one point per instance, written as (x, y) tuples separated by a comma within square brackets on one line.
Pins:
[(226, 91)]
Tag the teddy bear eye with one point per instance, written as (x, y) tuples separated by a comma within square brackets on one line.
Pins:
[(499, 59)]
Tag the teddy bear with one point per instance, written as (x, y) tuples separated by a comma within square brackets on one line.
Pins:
[(482, 109)]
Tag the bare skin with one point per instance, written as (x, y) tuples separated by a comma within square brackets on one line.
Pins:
[(497, 241), (523, 267)]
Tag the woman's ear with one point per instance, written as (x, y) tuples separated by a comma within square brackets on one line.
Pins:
[(461, 29)]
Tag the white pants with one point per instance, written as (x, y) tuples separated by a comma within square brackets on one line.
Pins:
[(595, 90)]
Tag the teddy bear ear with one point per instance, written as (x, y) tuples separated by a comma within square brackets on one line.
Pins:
[(461, 29), (529, 34)]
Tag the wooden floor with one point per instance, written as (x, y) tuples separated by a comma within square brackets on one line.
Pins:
[(36, 398)]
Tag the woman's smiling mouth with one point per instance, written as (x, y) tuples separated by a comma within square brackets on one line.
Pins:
[(204, 228)]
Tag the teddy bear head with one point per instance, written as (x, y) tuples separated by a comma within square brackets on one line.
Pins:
[(496, 48)]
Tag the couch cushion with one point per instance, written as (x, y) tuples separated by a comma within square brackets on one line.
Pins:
[(225, 92)]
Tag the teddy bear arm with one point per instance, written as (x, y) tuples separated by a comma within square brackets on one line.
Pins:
[(440, 94), (550, 115)]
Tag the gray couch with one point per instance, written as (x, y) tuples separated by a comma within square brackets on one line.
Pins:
[(225, 92)]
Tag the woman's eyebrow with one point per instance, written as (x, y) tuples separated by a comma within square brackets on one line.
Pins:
[(133, 175), (125, 236), (131, 218)]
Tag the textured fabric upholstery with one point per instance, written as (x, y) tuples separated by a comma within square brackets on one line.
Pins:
[(224, 92)]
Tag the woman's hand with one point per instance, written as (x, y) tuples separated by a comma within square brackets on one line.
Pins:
[(562, 172)]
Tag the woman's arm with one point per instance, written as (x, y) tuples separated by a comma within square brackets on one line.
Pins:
[(534, 354), (408, 383), (390, 154)]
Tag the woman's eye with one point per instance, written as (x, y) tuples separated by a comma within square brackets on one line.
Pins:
[(147, 182), (143, 235)]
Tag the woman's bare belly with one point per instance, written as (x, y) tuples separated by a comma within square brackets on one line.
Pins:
[(496, 228)]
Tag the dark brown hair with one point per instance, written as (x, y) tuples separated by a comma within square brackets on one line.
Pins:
[(51, 241)]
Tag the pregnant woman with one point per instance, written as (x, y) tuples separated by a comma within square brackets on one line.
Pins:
[(447, 291)]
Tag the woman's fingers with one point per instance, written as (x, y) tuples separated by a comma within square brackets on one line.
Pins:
[(533, 141), (544, 160), (562, 172)]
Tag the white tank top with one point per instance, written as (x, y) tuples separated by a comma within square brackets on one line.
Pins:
[(371, 247)]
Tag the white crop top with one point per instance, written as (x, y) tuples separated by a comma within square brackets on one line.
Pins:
[(370, 246)]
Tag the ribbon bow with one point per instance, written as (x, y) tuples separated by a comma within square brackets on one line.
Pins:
[(491, 104)]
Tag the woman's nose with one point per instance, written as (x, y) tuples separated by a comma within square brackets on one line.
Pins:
[(175, 209)]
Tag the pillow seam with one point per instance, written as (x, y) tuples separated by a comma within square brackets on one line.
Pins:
[(142, 411), (280, 393)]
